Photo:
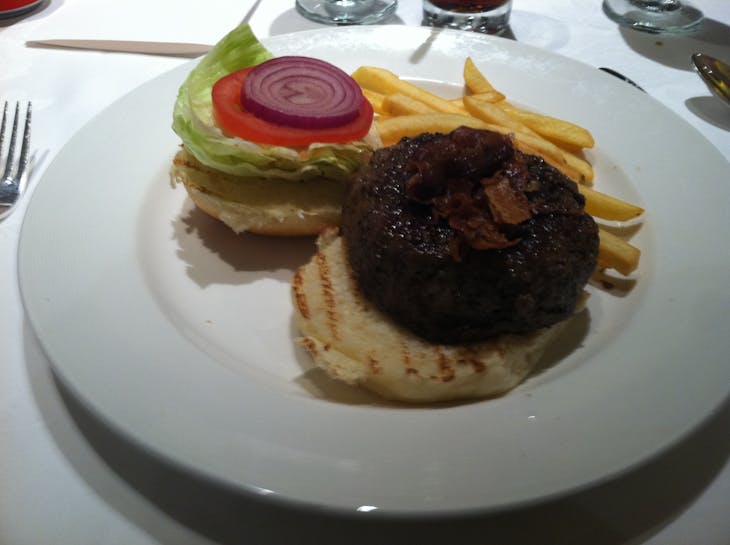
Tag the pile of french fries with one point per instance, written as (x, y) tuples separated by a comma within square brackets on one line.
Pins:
[(405, 109)]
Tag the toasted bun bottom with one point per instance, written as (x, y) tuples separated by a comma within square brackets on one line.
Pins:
[(280, 208), (356, 343)]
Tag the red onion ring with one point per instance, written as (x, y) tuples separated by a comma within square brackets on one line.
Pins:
[(301, 92)]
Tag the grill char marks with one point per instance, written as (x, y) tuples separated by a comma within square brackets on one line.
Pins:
[(300, 298), (418, 265), (325, 281)]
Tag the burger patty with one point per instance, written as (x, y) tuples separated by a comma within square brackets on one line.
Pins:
[(461, 237)]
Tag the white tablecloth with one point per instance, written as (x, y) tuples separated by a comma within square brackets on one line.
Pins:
[(66, 479)]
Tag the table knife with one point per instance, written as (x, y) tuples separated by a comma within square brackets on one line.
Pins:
[(127, 46)]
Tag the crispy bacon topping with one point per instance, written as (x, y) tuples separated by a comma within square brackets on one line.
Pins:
[(474, 181), (507, 204)]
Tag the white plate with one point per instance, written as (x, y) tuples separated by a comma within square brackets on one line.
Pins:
[(179, 333)]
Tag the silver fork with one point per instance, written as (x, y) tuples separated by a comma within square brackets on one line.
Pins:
[(11, 183)]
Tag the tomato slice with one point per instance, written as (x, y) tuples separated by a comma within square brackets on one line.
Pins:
[(234, 119)]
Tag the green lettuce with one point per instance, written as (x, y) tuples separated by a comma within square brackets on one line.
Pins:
[(194, 123)]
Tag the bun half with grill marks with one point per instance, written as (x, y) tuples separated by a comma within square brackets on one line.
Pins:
[(354, 342)]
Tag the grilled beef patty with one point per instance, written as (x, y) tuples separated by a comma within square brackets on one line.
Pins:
[(461, 237)]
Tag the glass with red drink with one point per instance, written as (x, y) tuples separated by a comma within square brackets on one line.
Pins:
[(490, 16)]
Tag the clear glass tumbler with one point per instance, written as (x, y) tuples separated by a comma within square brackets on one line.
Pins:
[(653, 15), (347, 12), (489, 16)]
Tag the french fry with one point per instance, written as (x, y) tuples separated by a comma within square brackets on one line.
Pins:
[(556, 130), (492, 113), (607, 207), (578, 170), (581, 165), (494, 97), (400, 104), (486, 111), (386, 82), (544, 149), (376, 99), (615, 253), (477, 83), (459, 103), (393, 129)]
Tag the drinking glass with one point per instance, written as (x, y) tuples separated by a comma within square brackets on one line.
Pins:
[(489, 16), (653, 15), (346, 12)]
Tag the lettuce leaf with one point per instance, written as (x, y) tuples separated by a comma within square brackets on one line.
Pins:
[(194, 123)]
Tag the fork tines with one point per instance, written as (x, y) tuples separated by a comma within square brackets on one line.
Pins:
[(12, 181), (8, 176)]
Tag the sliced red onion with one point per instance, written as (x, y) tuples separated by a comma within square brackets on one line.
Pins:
[(301, 92)]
